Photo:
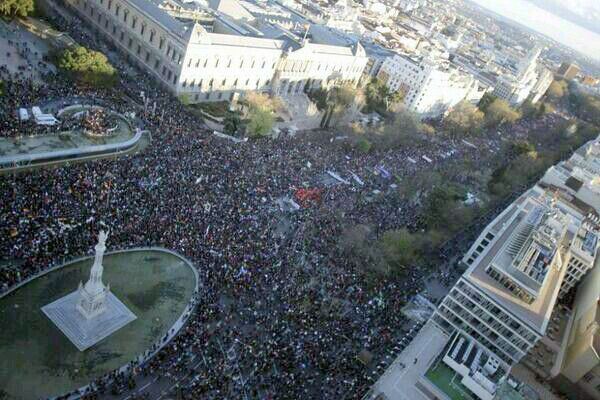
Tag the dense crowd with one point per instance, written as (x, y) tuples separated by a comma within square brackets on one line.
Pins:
[(281, 314)]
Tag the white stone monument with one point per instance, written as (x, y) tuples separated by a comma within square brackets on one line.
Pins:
[(92, 312), (92, 296)]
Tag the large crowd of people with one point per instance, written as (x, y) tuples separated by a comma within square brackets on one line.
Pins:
[(280, 314)]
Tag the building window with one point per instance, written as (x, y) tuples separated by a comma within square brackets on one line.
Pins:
[(263, 64), (210, 84), (106, 24), (242, 63), (129, 43), (125, 14), (147, 56), (184, 83), (133, 22), (224, 82), (220, 95), (200, 84), (196, 97), (205, 63), (235, 83), (229, 63), (139, 49), (156, 64), (217, 63), (207, 95), (143, 29), (122, 36), (114, 30), (109, 5), (258, 83), (198, 63), (117, 10), (152, 33), (161, 43)]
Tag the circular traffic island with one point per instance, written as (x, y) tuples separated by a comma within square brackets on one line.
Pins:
[(37, 360)]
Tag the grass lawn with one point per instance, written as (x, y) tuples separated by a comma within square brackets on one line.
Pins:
[(446, 380), (217, 109)]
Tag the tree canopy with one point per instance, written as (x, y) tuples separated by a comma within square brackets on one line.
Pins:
[(260, 114), (16, 8), (88, 66), (585, 106), (260, 122), (500, 112), (379, 98), (485, 101), (464, 119), (557, 89)]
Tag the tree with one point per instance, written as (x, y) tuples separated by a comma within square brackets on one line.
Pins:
[(359, 249), (404, 130), (363, 145), (319, 97), (557, 89), (16, 8), (442, 208), (464, 119), (260, 113), (523, 147), (88, 67), (260, 122), (500, 112), (379, 98), (485, 101), (339, 100), (184, 99), (585, 106), (231, 122), (401, 248)]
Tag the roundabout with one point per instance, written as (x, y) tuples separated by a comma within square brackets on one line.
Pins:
[(155, 284)]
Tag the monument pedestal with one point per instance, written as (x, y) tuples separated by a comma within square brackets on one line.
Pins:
[(83, 332)]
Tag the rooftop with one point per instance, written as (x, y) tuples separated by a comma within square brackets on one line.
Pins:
[(533, 267)]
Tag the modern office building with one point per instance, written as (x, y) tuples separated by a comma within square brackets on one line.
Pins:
[(430, 87), (515, 269), (577, 369), (568, 71), (206, 54), (529, 81)]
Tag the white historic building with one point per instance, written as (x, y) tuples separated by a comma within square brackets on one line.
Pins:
[(206, 54), (430, 88)]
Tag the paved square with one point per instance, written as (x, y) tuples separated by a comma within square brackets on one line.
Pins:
[(84, 333)]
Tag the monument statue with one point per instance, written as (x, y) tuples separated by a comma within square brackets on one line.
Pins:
[(92, 295), (91, 313)]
